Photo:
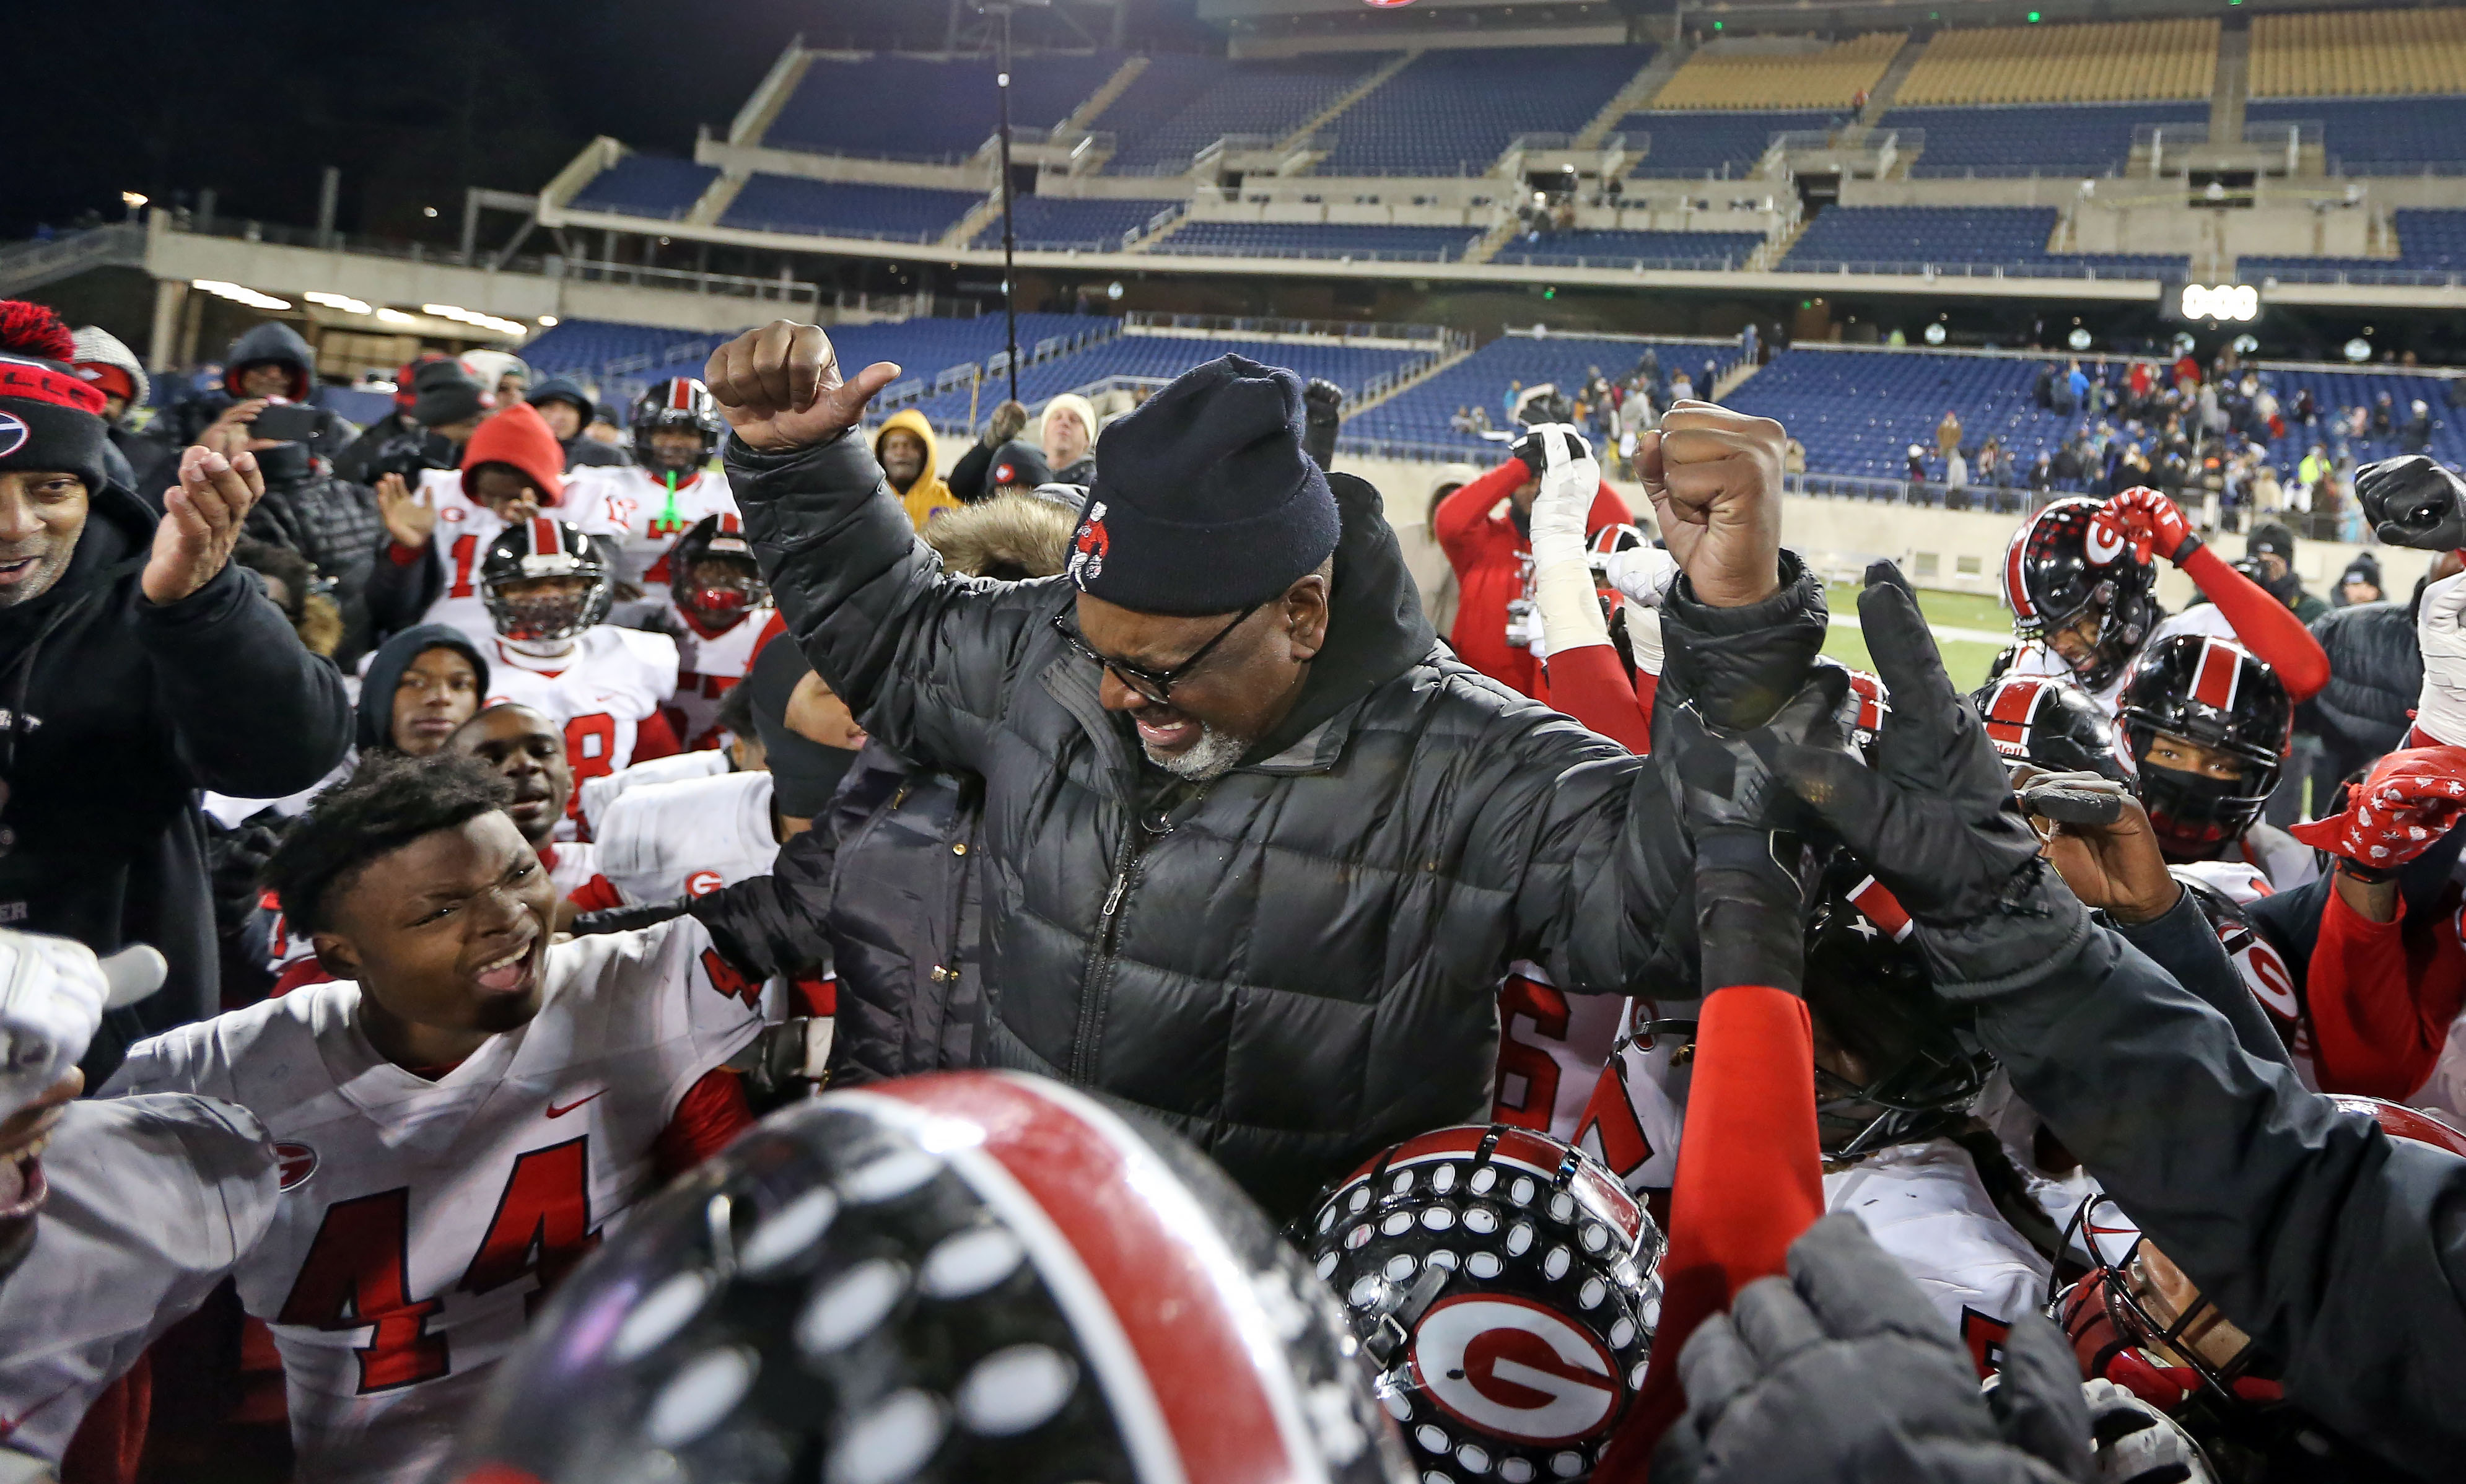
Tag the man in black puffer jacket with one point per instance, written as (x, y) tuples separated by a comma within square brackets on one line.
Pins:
[(1283, 930), (2375, 671)]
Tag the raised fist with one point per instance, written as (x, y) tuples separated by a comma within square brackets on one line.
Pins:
[(2154, 522), (780, 386), (2414, 501), (2408, 801)]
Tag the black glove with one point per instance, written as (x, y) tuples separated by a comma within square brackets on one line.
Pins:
[(626, 919), (1749, 891), (232, 859), (1322, 408), (1844, 1374), (1936, 819), (1530, 447), (2414, 501)]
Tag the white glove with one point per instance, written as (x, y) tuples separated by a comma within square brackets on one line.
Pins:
[(2139, 1441), (1570, 480), (1642, 574), (2440, 628), (52, 998)]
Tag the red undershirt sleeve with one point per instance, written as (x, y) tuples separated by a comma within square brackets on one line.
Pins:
[(595, 896), (710, 1114), (2381, 1000), (1590, 685), (2265, 626), (653, 737), (1457, 513)]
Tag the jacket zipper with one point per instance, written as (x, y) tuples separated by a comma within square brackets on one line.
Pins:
[(1096, 985)]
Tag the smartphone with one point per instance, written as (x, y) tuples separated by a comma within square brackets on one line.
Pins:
[(291, 422)]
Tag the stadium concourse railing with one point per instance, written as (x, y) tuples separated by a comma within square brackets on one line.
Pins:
[(2087, 272), (1640, 264), (918, 389), (1176, 247), (1122, 243)]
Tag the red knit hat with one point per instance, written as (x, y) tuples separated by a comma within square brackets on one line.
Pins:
[(50, 418), (521, 438)]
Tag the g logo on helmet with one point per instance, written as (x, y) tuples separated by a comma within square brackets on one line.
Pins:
[(14, 434), (2104, 540), (1514, 1369)]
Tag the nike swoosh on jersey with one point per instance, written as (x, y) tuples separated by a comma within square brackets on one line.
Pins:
[(554, 1112)]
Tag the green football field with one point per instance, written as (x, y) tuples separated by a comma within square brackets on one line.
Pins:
[(1965, 657)]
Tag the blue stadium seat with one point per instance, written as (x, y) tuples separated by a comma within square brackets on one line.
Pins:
[(1907, 238), (845, 208), (1094, 224), (1419, 418), (1272, 99), (1163, 356), (1454, 111), (1319, 239), (2379, 136), (583, 347), (2061, 138), (1718, 143), (646, 184), (927, 108), (1690, 250), (1857, 411)]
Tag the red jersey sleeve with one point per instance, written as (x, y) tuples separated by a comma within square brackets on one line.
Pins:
[(1461, 514), (713, 1113), (598, 894), (653, 737), (2264, 625), (2381, 997), (1609, 510), (1590, 685)]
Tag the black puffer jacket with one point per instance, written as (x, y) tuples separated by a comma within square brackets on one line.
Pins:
[(1296, 964), (331, 522), (2375, 672)]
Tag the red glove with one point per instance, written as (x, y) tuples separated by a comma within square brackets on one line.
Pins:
[(2410, 800), (2154, 522)]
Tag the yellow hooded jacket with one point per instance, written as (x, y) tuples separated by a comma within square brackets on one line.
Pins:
[(929, 494)]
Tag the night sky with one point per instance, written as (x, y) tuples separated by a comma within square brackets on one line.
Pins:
[(413, 101)]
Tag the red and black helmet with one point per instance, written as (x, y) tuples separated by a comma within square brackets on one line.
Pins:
[(678, 402), (2071, 558), (2052, 723), (537, 548), (966, 1276), (1506, 1287), (715, 603), (2213, 691)]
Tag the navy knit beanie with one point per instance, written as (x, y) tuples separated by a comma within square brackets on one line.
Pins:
[(1205, 501)]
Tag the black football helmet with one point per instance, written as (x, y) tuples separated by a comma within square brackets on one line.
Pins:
[(2213, 691), (678, 402), (714, 606), (960, 1277), (1505, 1286), (1873, 1003), (537, 548), (2414, 501), (2052, 723), (2070, 560)]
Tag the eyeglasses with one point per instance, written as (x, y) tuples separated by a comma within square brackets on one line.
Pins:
[(1156, 686)]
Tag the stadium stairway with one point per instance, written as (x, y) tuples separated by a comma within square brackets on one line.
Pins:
[(1411, 379), (1485, 246), (982, 215), (717, 199), (1879, 98), (1779, 247), (1732, 376), (2234, 76), (1632, 98), (1102, 99), (1147, 244), (1336, 109)]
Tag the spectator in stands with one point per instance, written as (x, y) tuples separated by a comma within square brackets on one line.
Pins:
[(1918, 471), (1793, 455), (115, 372), (568, 410), (1069, 434), (1462, 421), (1485, 528), (905, 450), (2268, 495), (1947, 435), (1955, 477), (354, 462), (2076, 380), (2314, 466), (1681, 389), (2271, 548), (2384, 416), (2042, 473), (2418, 426), (1515, 394), (966, 478)]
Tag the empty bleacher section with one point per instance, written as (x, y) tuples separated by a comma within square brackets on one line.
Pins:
[(587, 348), (2099, 63), (1701, 251), (1453, 111), (646, 184), (1740, 75), (1165, 86), (1708, 144), (1266, 98), (1319, 240), (2349, 54), (899, 107), (1857, 411), (2432, 248), (1957, 239), (2390, 136), (1417, 420), (2048, 139), (1063, 223), (843, 209)]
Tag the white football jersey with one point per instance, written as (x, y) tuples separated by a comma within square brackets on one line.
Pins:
[(709, 667), (153, 1200), (688, 839), (2263, 970), (465, 528), (2036, 658), (1639, 1105), (420, 1221), (646, 516), (597, 794), (1923, 1203), (600, 693)]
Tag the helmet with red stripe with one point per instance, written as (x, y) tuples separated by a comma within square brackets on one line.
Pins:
[(2215, 694), (2073, 563), (543, 581), (1505, 1285), (2139, 1321), (973, 1276), (713, 575), (677, 403), (2052, 723)]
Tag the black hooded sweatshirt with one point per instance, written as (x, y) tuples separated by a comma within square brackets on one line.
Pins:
[(271, 341), (132, 708)]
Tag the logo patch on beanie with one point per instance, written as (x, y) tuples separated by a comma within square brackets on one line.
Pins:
[(14, 434), (1088, 546)]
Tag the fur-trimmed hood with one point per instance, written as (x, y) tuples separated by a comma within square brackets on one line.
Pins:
[(1012, 537)]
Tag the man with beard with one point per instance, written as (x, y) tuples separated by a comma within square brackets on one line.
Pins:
[(904, 447)]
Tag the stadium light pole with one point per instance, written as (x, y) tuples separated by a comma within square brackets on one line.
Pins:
[(1010, 237)]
